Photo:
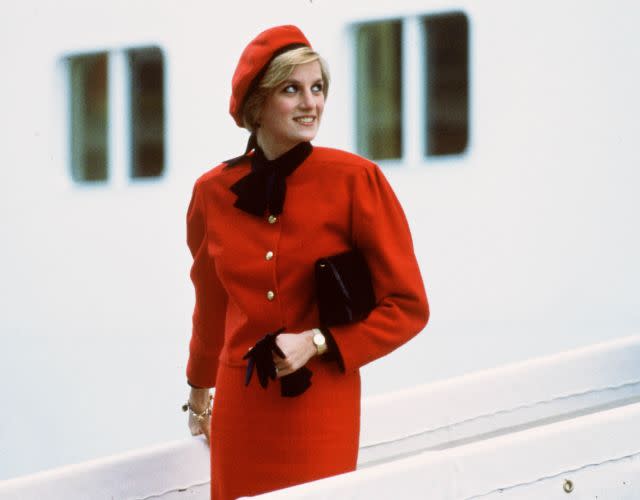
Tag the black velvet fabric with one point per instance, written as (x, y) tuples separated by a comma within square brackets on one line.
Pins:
[(264, 188), (260, 358), (344, 289), (295, 383), (196, 386), (333, 352)]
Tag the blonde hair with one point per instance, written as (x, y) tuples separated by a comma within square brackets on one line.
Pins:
[(277, 72)]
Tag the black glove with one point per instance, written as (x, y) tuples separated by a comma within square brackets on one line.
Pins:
[(295, 383), (261, 358)]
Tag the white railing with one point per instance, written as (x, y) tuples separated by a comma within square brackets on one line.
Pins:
[(500, 400), (593, 456), (416, 432)]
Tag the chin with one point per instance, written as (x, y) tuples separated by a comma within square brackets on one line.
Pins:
[(306, 137)]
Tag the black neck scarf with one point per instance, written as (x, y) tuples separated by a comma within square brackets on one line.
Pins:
[(264, 188)]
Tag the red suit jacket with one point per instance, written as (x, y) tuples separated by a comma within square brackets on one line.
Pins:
[(254, 275)]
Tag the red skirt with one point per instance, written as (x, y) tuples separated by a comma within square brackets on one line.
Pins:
[(261, 441)]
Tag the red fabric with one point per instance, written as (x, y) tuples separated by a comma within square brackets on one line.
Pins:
[(255, 57), (334, 200), (262, 441)]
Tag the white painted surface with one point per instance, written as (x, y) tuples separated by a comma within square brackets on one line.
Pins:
[(500, 400), (174, 470), (599, 453), (419, 423), (528, 242)]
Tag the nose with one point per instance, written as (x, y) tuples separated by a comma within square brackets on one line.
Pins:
[(306, 99)]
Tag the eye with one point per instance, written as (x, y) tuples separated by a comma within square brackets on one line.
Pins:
[(290, 89), (317, 87)]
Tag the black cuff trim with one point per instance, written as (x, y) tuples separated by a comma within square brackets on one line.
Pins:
[(196, 386), (333, 352)]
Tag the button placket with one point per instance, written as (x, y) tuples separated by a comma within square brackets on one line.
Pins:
[(271, 294)]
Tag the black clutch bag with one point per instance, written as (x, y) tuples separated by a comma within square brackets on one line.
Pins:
[(343, 288)]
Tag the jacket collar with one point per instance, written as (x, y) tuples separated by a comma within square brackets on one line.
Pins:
[(264, 188)]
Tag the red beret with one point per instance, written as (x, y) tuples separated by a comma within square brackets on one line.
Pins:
[(255, 59)]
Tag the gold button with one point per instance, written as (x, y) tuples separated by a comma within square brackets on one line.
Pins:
[(272, 219), (270, 295), (269, 255)]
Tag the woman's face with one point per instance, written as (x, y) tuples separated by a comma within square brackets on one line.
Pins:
[(292, 111)]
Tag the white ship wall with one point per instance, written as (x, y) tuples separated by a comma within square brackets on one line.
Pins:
[(528, 242)]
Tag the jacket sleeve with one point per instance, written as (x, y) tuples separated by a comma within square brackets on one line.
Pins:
[(381, 232), (207, 334)]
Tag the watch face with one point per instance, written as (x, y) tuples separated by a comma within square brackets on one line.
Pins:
[(320, 343)]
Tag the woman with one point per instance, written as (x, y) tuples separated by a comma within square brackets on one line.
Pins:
[(255, 226)]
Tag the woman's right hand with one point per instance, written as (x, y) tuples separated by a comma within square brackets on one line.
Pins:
[(199, 401)]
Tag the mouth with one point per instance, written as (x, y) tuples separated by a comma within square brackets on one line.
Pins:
[(305, 120)]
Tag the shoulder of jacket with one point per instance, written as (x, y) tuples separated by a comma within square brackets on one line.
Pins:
[(340, 159), (217, 173)]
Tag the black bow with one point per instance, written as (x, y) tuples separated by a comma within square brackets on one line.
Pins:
[(264, 188), (260, 357)]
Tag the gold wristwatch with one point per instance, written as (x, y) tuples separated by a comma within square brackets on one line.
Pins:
[(319, 341)]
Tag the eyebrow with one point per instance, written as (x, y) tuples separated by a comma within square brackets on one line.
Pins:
[(292, 80)]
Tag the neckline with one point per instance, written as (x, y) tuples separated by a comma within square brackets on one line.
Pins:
[(287, 161)]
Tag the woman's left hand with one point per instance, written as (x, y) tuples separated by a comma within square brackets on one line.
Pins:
[(298, 349)]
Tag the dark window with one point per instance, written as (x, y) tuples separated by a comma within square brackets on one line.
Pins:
[(89, 114), (447, 84), (147, 112), (143, 107), (379, 89)]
